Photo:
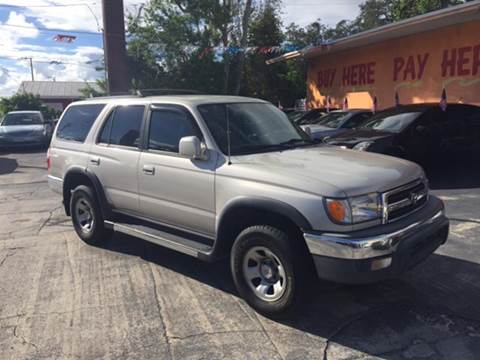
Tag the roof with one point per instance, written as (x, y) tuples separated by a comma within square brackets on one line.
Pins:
[(25, 112), (56, 89), (192, 100), (430, 21)]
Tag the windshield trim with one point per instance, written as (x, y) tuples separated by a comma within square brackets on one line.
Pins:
[(303, 135)]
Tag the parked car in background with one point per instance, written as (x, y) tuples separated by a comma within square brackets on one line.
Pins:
[(24, 128), (336, 122), (281, 206), (415, 132), (311, 115)]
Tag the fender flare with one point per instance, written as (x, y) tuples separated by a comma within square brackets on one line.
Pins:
[(97, 188), (267, 204)]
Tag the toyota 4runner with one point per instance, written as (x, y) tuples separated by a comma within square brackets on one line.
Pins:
[(217, 176)]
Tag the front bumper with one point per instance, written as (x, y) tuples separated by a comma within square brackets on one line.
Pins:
[(382, 252)]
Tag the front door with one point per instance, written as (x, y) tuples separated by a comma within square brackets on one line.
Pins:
[(114, 156), (175, 190)]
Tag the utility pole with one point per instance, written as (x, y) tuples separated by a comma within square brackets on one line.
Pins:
[(114, 47), (31, 65)]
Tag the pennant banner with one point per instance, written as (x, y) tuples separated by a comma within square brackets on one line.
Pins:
[(64, 38)]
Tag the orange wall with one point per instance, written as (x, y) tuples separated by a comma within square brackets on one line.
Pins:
[(417, 67)]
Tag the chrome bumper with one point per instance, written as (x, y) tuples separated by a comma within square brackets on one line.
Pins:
[(343, 246)]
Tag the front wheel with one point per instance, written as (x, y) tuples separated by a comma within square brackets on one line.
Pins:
[(264, 269)]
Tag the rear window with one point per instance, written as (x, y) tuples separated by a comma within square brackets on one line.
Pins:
[(22, 119), (77, 122)]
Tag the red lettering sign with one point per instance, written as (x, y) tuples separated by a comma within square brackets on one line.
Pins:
[(449, 62), (476, 60), (371, 72), (463, 60), (398, 64), (325, 78), (359, 74)]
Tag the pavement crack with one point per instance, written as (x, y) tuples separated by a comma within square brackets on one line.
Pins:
[(21, 338), (160, 312), (265, 332), (6, 257), (346, 324), (221, 332), (49, 217), (465, 220)]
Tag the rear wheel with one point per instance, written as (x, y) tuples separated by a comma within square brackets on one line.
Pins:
[(86, 216), (266, 269)]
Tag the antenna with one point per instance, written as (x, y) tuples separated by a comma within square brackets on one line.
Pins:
[(228, 134)]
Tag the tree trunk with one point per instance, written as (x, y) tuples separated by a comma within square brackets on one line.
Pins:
[(243, 44)]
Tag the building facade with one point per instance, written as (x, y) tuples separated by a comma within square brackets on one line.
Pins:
[(412, 61)]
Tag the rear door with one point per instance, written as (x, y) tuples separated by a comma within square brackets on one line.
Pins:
[(114, 156), (175, 190)]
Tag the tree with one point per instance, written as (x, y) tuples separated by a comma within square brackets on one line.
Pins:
[(26, 101), (164, 43)]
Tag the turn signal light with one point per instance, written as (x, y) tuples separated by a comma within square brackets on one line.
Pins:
[(337, 210)]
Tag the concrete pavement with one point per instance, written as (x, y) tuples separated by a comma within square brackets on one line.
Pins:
[(63, 299)]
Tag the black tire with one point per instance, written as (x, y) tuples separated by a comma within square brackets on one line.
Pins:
[(96, 233), (278, 243)]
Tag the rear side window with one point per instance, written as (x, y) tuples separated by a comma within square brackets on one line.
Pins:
[(77, 122), (123, 126)]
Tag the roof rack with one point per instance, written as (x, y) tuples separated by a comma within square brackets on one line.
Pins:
[(149, 92), (165, 91)]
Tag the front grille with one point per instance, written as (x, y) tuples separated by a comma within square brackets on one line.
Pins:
[(404, 200)]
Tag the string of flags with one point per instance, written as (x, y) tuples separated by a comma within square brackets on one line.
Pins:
[(64, 38), (234, 50)]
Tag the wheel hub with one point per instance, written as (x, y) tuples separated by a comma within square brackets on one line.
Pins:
[(264, 273)]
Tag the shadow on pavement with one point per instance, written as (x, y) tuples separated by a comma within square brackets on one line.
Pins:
[(7, 166), (435, 301)]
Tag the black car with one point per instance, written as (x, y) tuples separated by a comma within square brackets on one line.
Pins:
[(415, 132), (311, 116)]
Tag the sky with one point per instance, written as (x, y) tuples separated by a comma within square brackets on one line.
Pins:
[(23, 34)]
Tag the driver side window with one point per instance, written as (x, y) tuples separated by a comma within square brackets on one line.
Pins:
[(167, 127)]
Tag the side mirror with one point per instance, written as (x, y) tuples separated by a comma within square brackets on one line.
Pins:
[(308, 131), (191, 147)]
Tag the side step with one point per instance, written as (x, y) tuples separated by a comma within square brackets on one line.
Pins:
[(164, 238)]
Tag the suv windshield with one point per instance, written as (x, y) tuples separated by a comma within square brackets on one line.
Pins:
[(332, 120), (22, 119), (391, 122), (254, 127)]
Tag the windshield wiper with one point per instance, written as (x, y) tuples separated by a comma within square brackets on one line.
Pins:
[(297, 142)]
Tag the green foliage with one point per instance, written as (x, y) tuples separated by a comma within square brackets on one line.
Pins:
[(89, 91), (164, 37), (25, 101)]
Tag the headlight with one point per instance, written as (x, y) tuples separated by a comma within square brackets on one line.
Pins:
[(355, 209), (364, 145)]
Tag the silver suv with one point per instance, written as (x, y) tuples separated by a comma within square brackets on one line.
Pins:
[(218, 176)]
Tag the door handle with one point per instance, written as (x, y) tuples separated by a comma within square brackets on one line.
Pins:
[(148, 170), (95, 161)]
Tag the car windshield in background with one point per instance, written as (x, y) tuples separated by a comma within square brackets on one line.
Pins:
[(332, 120), (254, 127), (22, 119), (295, 115), (391, 122)]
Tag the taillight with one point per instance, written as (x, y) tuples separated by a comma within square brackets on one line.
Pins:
[(49, 160)]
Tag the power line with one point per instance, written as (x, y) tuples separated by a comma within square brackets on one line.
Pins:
[(53, 29), (45, 6)]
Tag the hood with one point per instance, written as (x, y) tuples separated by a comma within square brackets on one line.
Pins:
[(15, 129), (352, 137), (325, 170)]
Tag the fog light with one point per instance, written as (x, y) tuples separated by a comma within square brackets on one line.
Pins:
[(381, 263)]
